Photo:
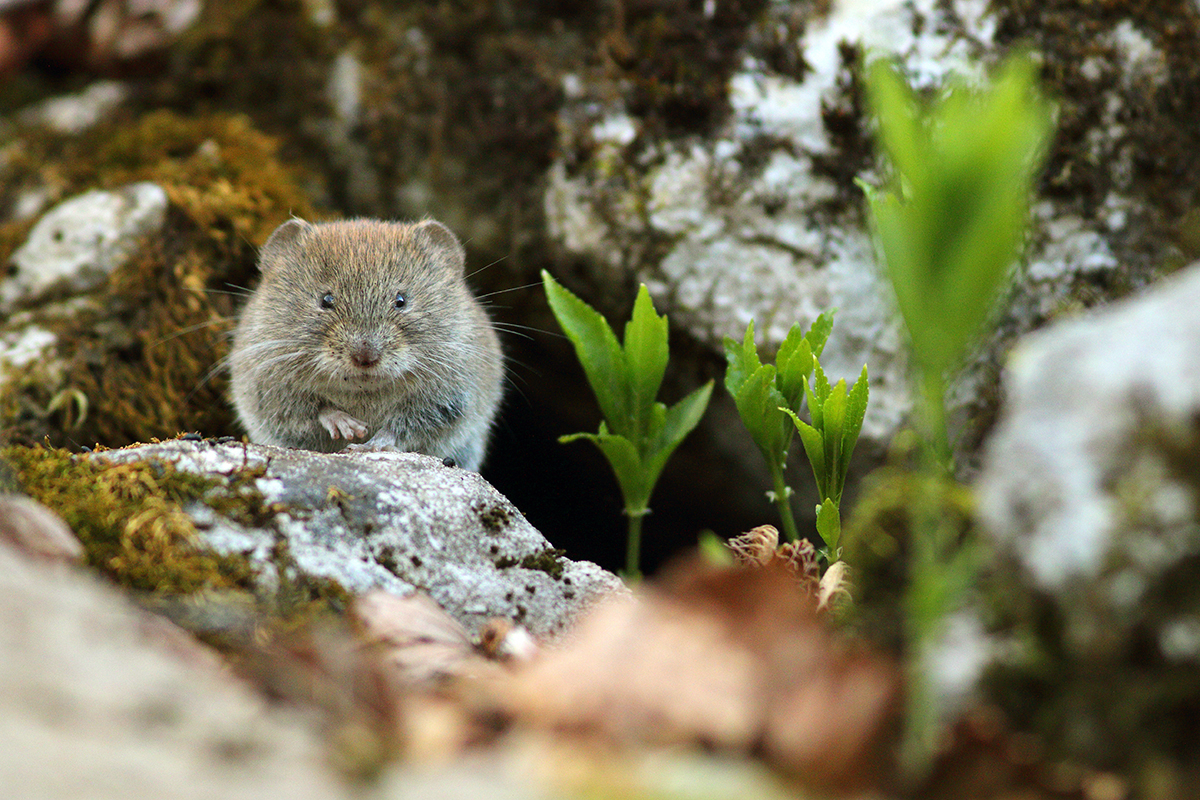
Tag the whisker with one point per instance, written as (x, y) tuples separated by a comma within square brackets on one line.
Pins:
[(485, 266), (189, 329), (505, 291)]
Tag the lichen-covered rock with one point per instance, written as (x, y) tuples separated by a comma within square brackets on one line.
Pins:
[(79, 243), (396, 521), (1090, 491), (758, 218)]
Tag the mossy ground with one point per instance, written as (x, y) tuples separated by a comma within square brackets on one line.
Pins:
[(138, 358)]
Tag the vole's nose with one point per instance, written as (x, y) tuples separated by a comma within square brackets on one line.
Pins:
[(365, 356)]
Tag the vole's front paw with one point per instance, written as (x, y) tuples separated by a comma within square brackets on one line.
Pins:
[(341, 425)]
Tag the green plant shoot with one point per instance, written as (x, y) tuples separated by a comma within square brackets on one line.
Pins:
[(948, 228), (763, 392), (951, 222), (837, 419), (638, 434)]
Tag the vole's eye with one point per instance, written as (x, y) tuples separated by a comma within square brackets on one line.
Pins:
[(400, 301), (327, 301)]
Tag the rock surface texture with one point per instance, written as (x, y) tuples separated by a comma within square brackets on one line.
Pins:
[(396, 521), (101, 700), (80, 242), (759, 218), (1090, 487)]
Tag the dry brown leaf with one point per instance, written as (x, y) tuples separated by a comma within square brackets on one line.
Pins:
[(36, 530), (731, 658), (419, 641), (755, 547), (834, 585)]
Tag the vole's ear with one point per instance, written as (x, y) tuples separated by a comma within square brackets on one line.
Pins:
[(444, 241), (283, 239)]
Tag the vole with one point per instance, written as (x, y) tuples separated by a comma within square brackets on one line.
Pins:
[(366, 330)]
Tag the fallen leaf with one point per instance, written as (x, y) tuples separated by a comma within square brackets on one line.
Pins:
[(36, 530)]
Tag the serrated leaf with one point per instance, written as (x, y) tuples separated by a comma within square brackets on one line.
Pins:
[(626, 465), (829, 525), (741, 359), (598, 351), (816, 405), (856, 411), (814, 449), (818, 332), (820, 383), (900, 129), (793, 363), (834, 415), (645, 357), (678, 422), (681, 418), (757, 402)]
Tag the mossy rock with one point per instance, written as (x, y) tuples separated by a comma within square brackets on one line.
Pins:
[(137, 525), (139, 357)]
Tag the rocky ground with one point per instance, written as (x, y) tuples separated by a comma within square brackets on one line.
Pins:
[(200, 616)]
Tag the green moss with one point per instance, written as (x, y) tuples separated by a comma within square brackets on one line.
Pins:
[(494, 518), (130, 519), (548, 561), (139, 353), (877, 544)]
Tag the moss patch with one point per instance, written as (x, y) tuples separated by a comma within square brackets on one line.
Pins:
[(132, 522), (1156, 129), (130, 518), (137, 359), (548, 561)]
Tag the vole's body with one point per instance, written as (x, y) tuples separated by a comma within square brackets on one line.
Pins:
[(367, 330)]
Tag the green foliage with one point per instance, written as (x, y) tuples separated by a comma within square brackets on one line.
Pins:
[(638, 433), (948, 228), (766, 393), (952, 221), (837, 419)]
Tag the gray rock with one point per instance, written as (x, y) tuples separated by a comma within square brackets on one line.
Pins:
[(102, 700), (755, 221), (81, 241), (1090, 489), (1085, 400), (396, 521), (75, 113)]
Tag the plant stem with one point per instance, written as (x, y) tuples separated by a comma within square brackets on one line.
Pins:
[(633, 545), (937, 439), (782, 502)]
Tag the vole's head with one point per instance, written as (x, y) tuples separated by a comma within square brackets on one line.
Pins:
[(366, 302)]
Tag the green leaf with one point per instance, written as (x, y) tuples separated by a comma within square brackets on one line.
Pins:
[(856, 411), (900, 131), (598, 351), (679, 421), (626, 465), (814, 448), (683, 417), (757, 402), (713, 549), (829, 526), (793, 363), (742, 360), (818, 332), (834, 416), (645, 356)]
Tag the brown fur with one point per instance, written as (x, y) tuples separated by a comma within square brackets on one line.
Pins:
[(425, 377)]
